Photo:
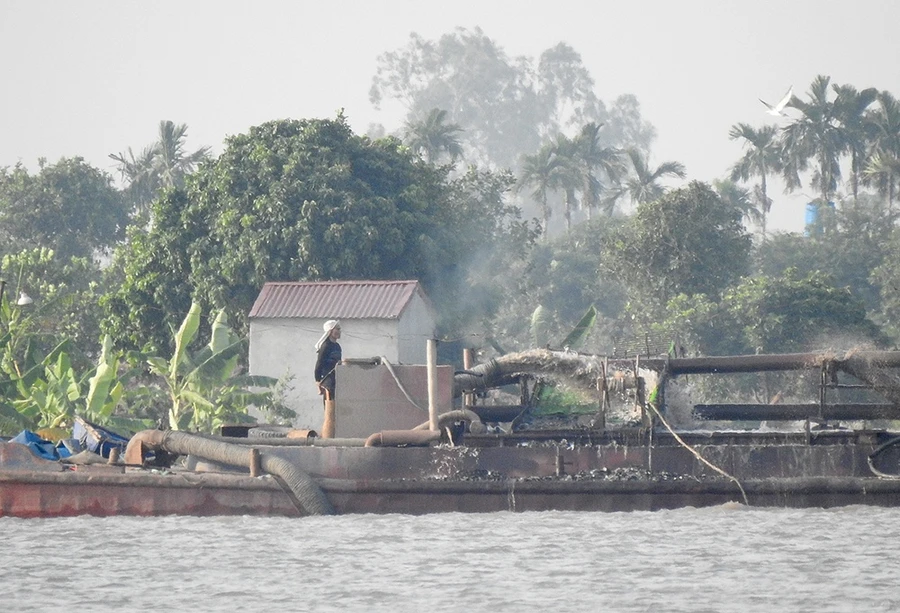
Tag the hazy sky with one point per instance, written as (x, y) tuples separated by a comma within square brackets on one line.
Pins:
[(95, 77)]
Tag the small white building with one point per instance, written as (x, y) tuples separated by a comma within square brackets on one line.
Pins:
[(390, 319)]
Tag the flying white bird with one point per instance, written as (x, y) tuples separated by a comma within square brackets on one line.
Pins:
[(776, 110)]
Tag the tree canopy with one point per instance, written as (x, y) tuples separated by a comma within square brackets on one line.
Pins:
[(299, 200), (687, 242), (69, 207)]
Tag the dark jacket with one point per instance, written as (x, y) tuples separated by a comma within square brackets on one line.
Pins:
[(329, 356)]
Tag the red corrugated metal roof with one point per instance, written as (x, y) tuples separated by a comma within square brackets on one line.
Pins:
[(335, 299)]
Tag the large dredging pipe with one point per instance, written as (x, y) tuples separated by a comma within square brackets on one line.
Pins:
[(586, 369), (306, 491)]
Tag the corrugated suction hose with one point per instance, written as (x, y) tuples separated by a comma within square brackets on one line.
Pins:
[(307, 492)]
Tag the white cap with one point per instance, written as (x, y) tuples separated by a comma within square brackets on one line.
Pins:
[(328, 326)]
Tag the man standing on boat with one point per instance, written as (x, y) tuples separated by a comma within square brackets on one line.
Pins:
[(329, 355)]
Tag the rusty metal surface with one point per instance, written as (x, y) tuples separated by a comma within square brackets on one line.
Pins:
[(335, 299), (14, 456), (617, 473), (42, 494), (370, 399), (794, 412)]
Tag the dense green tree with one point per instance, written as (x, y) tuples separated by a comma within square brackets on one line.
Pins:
[(687, 242), (789, 312), (294, 200), (854, 246), (798, 313), (563, 277), (69, 207), (65, 301), (482, 237)]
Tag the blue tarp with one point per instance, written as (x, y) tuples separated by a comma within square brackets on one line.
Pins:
[(97, 438), (41, 447)]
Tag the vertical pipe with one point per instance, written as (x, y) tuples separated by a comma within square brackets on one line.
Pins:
[(468, 359), (431, 357), (328, 423)]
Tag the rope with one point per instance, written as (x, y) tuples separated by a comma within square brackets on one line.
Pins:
[(697, 454), (390, 368), (871, 458)]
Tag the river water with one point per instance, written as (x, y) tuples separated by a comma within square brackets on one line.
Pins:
[(726, 558)]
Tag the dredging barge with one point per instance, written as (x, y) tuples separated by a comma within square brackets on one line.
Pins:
[(838, 453)]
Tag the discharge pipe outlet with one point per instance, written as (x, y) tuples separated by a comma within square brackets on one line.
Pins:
[(308, 494), (395, 438), (445, 419)]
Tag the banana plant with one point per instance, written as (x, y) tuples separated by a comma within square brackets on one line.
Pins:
[(204, 389), (541, 322)]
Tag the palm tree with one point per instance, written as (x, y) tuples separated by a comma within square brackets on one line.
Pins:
[(539, 171), (644, 184), (172, 163), (762, 155), (850, 111), (749, 204), (594, 162), (883, 171), (815, 135), (139, 176), (433, 137), (162, 164), (567, 173), (883, 124)]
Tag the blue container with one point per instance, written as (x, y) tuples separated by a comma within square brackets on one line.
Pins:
[(812, 215)]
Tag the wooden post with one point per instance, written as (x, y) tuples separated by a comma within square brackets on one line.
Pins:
[(603, 388), (255, 465), (431, 357)]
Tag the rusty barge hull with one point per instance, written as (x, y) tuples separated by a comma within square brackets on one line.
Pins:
[(41, 494), (566, 471)]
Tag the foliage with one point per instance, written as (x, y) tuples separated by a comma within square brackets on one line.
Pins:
[(49, 391), (288, 200), (432, 137), (762, 157), (164, 163), (65, 295), (555, 284), (855, 245), (69, 207), (307, 200), (643, 183), (205, 389), (763, 314), (687, 242), (506, 106)]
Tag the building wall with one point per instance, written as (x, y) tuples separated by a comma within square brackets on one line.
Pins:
[(417, 325), (284, 348)]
